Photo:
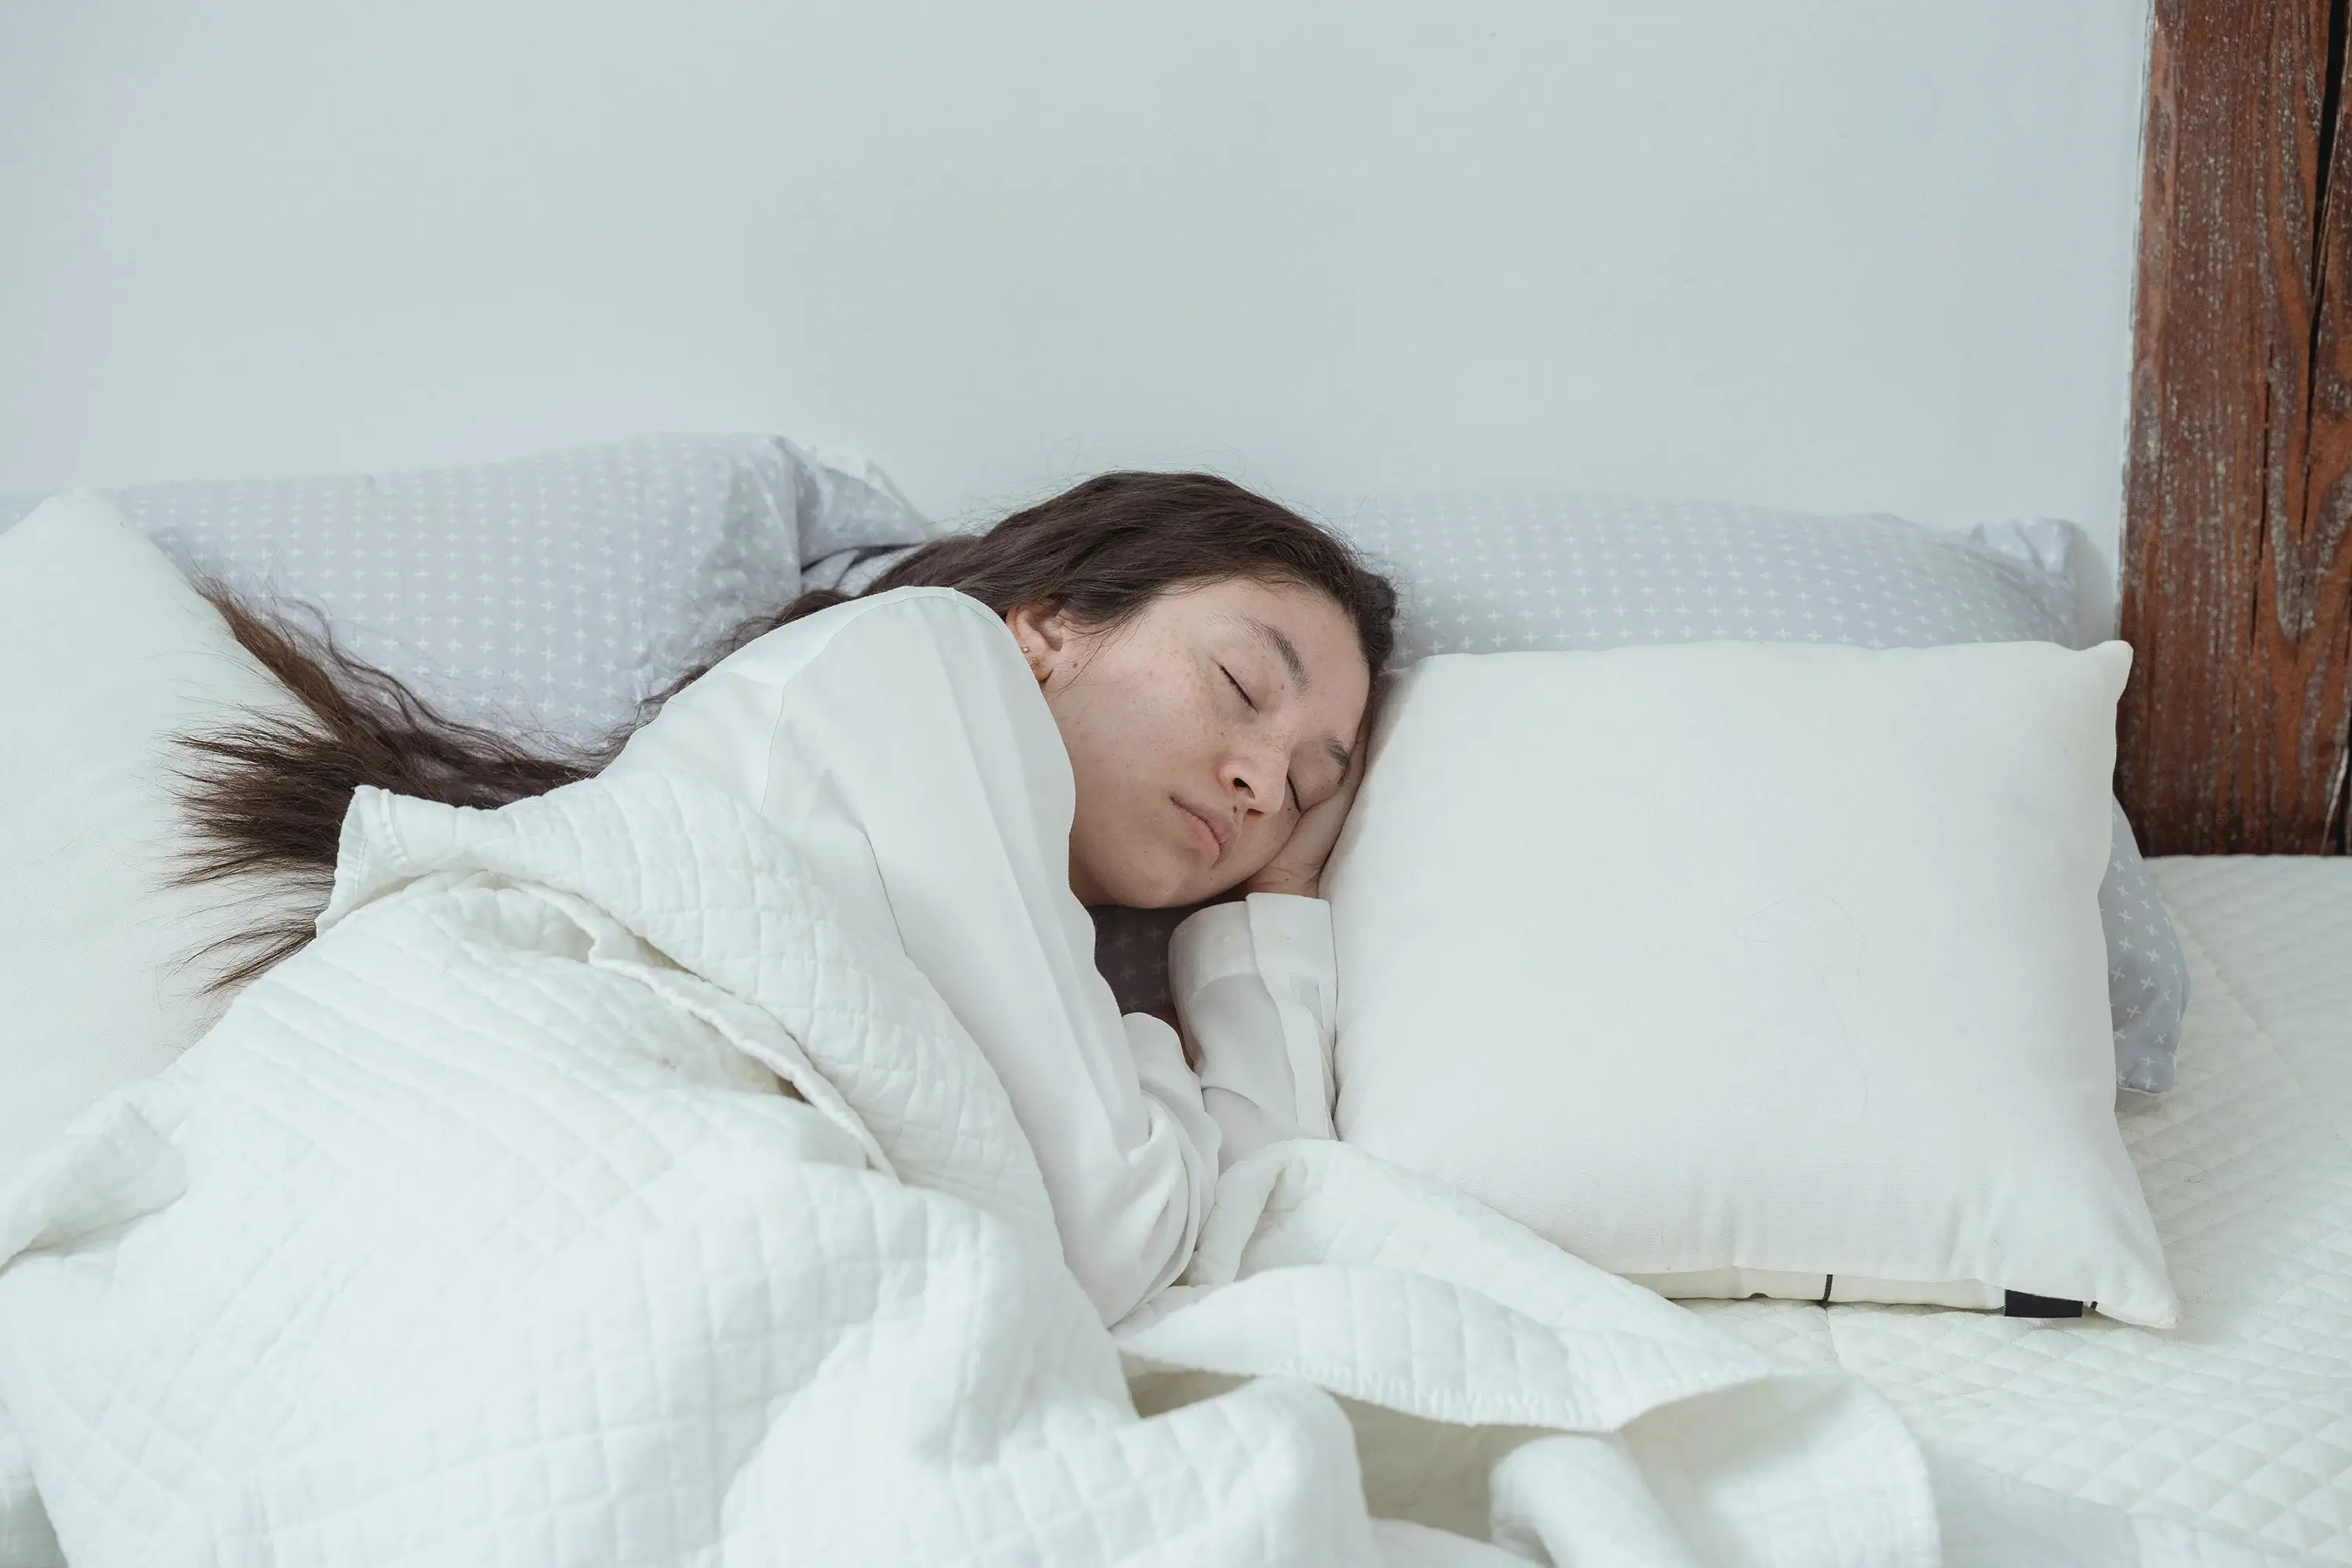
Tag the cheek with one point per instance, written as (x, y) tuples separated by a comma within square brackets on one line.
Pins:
[(1126, 843), (1136, 732), (1135, 727)]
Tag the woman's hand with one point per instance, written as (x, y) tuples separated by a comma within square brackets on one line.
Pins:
[(1297, 866)]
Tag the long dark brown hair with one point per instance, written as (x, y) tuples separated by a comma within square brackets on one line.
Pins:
[(265, 798)]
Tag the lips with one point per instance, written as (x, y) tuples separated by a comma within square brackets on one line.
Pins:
[(1211, 835)]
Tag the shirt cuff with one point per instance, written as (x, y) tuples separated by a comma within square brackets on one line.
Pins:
[(1255, 983)]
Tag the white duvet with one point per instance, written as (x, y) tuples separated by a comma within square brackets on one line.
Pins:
[(594, 1194)]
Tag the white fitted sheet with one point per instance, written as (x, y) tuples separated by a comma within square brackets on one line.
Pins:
[(2238, 1421)]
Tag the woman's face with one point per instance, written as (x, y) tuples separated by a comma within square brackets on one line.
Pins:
[(1197, 733)]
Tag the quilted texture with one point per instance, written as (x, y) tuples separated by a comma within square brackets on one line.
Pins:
[(2240, 1420), (592, 1193)]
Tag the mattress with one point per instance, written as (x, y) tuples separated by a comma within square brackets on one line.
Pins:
[(2240, 1420)]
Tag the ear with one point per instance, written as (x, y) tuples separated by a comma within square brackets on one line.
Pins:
[(1047, 639)]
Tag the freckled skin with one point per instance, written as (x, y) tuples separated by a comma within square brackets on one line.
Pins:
[(1192, 704)]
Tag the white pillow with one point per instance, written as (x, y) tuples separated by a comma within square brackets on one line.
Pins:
[(105, 653), (1753, 968)]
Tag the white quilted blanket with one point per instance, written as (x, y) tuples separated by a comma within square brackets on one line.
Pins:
[(588, 1195)]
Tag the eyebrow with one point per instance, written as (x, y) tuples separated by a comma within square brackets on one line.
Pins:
[(1287, 651), (1284, 648)]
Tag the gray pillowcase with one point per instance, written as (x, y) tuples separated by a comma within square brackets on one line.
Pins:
[(1505, 573), (549, 595)]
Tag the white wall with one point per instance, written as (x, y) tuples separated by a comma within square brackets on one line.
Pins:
[(1844, 253)]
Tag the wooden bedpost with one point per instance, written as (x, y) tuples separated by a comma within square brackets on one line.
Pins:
[(2237, 552)]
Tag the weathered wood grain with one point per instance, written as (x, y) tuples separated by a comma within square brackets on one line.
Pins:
[(2237, 559)]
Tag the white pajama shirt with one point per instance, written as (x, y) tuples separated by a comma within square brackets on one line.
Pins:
[(902, 743)]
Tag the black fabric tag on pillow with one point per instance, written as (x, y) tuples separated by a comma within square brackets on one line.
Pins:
[(2017, 1304)]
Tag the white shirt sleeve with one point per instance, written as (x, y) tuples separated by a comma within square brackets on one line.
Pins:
[(903, 744), (1255, 983)]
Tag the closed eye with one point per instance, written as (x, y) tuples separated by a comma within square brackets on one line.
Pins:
[(1238, 687)]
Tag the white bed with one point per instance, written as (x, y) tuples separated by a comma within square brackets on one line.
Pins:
[(2238, 1421)]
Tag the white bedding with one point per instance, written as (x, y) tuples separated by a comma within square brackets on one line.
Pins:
[(2241, 1419), (478, 1233)]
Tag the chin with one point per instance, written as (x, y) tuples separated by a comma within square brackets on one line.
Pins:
[(1154, 883)]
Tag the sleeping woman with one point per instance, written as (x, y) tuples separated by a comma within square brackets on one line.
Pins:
[(1150, 690)]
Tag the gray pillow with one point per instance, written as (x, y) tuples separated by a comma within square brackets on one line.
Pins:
[(551, 594), (1502, 573)]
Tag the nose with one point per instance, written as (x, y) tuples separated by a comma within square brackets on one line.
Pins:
[(1254, 775)]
